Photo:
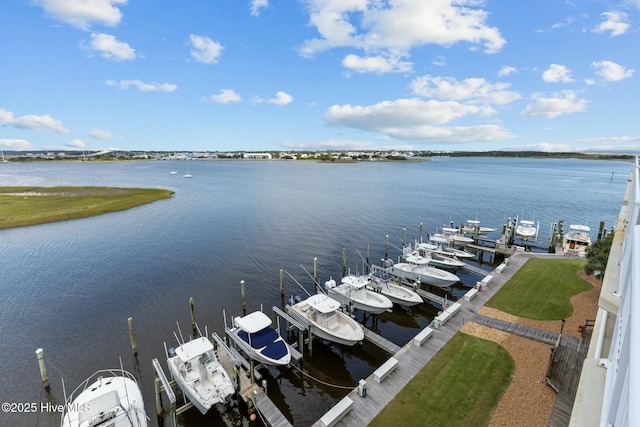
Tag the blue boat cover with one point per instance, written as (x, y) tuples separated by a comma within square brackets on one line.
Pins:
[(266, 338)]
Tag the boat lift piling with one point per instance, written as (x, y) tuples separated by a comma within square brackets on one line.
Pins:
[(344, 262), (194, 327), (43, 368), (134, 346), (386, 247), (244, 299)]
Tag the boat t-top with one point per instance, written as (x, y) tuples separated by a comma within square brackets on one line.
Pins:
[(353, 291), (107, 398), (473, 227), (321, 314), (197, 371), (261, 341)]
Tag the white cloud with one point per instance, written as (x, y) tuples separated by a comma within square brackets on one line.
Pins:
[(83, 13), (256, 5), (565, 102), (612, 72), (474, 90), (616, 22), (15, 144), (506, 71), (331, 144), (103, 134), (204, 49), (375, 64), (110, 48), (394, 28), (75, 144), (32, 122), (417, 120), (557, 73), (142, 86), (225, 96), (282, 98)]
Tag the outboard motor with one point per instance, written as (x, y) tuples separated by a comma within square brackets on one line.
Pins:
[(330, 284), (171, 352)]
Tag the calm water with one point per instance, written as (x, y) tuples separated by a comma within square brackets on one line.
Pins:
[(70, 287)]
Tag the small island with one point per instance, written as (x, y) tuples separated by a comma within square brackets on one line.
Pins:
[(24, 206)]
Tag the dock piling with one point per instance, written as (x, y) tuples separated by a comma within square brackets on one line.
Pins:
[(367, 267), (315, 273), (344, 262), (193, 315), (134, 346), (244, 300), (282, 283), (386, 247), (43, 368)]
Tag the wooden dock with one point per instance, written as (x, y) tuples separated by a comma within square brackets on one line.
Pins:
[(269, 411), (380, 341), (412, 358), (517, 329)]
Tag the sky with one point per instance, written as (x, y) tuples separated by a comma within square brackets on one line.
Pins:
[(294, 75)]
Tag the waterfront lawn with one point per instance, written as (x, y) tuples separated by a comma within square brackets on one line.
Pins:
[(460, 386), (24, 206), (541, 289)]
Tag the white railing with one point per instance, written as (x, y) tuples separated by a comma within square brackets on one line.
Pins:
[(621, 392)]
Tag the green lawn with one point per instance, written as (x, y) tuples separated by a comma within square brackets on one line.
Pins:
[(541, 289), (24, 206), (460, 386)]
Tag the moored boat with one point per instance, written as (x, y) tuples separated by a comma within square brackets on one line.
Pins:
[(262, 341), (473, 227), (577, 240), (197, 371), (321, 313), (423, 273), (109, 397), (398, 294), (353, 291), (526, 229)]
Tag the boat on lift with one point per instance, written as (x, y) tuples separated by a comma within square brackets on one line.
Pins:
[(353, 291), (197, 371), (110, 397), (398, 294), (526, 229), (473, 227), (439, 245), (577, 240), (260, 340), (432, 258), (420, 272), (454, 237), (321, 313)]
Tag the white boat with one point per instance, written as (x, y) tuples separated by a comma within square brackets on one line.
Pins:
[(473, 227), (197, 371), (454, 237), (352, 290), (325, 320), (188, 174), (577, 240), (423, 273), (425, 254), (437, 245), (262, 342), (173, 173), (398, 294), (526, 229), (107, 398)]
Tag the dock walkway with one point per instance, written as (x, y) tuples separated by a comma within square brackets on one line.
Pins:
[(412, 358)]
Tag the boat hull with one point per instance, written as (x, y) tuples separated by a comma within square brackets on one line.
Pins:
[(428, 275)]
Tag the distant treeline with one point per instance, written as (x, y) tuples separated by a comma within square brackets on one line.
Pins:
[(539, 154)]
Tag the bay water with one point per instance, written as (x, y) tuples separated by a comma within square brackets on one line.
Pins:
[(69, 287)]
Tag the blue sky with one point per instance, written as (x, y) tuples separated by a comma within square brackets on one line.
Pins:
[(256, 75)]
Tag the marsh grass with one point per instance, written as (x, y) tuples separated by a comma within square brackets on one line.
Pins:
[(460, 386), (24, 206), (542, 289)]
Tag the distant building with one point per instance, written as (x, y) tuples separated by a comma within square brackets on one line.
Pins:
[(263, 156)]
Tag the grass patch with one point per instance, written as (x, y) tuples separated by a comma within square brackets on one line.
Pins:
[(24, 206), (541, 289), (460, 386)]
